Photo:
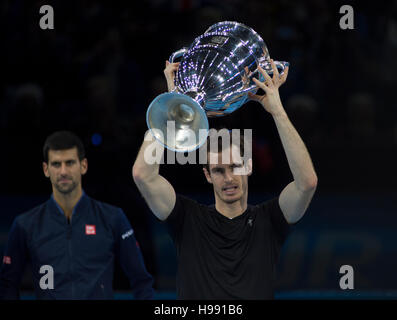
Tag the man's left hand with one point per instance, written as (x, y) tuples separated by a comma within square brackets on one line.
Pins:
[(271, 99)]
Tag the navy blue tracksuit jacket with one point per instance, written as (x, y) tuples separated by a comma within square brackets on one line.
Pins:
[(81, 253)]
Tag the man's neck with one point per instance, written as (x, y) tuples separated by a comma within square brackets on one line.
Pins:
[(68, 201), (231, 210)]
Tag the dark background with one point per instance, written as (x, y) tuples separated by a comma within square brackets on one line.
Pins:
[(98, 71)]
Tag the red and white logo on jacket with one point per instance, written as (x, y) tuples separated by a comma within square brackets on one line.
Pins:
[(90, 229), (6, 260)]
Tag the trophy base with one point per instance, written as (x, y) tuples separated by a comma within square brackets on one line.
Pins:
[(178, 122)]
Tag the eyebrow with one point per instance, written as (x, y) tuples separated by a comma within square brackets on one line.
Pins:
[(232, 165), (237, 165), (58, 161)]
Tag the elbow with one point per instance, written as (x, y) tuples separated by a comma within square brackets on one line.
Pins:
[(310, 184), (141, 176), (137, 174)]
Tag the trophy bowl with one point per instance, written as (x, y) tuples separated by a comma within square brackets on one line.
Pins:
[(213, 79)]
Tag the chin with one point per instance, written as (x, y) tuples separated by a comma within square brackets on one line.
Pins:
[(66, 190), (232, 199)]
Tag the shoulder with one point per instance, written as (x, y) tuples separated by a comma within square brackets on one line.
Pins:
[(110, 215), (25, 222), (105, 208), (184, 206), (272, 213), (28, 217), (186, 200), (188, 204), (270, 205)]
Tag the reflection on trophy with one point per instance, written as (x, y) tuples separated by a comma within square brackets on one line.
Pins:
[(214, 77)]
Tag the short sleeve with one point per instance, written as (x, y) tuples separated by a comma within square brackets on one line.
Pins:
[(279, 224), (176, 219)]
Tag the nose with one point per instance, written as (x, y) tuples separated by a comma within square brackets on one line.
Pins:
[(63, 169), (228, 176)]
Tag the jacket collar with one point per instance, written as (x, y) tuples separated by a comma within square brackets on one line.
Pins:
[(78, 209)]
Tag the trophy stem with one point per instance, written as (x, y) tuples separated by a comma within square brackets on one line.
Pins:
[(198, 96), (181, 113)]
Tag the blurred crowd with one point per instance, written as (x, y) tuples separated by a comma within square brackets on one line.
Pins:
[(102, 65)]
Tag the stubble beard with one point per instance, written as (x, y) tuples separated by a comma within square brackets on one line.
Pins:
[(66, 189), (229, 201)]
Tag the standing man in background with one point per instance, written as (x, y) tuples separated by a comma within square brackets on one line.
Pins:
[(78, 237)]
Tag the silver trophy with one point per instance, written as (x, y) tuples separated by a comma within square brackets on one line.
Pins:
[(214, 78)]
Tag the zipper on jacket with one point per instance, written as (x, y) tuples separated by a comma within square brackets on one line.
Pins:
[(69, 237)]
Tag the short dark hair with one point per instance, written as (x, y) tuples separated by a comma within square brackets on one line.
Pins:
[(219, 141), (63, 140)]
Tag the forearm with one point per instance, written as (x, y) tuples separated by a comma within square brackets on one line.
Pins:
[(14, 262), (145, 168), (296, 196), (132, 263), (156, 190), (298, 157)]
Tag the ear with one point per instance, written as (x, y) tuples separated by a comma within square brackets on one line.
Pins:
[(207, 175), (45, 169), (83, 166)]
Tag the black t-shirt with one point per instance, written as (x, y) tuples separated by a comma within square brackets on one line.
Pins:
[(222, 258)]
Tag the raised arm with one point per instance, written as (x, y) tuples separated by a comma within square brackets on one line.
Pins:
[(296, 196), (169, 73), (157, 191)]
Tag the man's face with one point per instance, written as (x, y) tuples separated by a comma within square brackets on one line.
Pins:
[(230, 185), (64, 169)]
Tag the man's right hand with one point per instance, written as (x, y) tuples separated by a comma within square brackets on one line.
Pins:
[(169, 72)]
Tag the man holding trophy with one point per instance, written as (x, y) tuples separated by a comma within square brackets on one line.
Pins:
[(228, 250)]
